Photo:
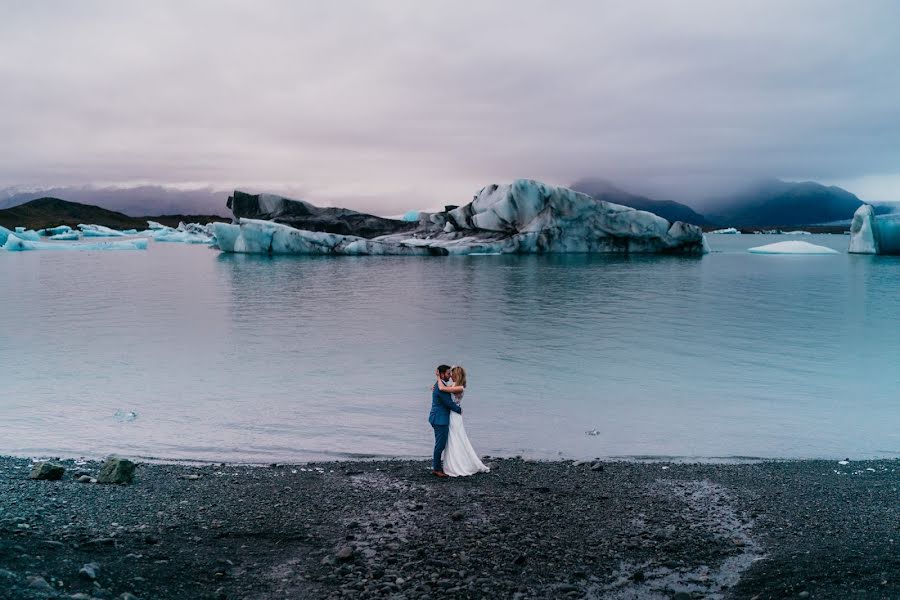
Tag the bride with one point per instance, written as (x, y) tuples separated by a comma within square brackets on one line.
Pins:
[(460, 459)]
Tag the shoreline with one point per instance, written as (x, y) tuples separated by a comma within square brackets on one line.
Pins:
[(387, 528)]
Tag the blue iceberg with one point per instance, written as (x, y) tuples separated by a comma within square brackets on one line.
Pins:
[(15, 244), (874, 234)]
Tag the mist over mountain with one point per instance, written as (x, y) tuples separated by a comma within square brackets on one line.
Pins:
[(772, 202), (145, 200), (602, 189)]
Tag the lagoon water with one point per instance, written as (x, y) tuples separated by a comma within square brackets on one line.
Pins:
[(261, 359)]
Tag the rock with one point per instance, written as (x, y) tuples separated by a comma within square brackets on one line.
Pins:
[(638, 576), (39, 583), (520, 560), (344, 554), (191, 477), (128, 596), (681, 596), (803, 595), (116, 471), (47, 471), (84, 479), (8, 575), (597, 466), (89, 571), (457, 515), (525, 217)]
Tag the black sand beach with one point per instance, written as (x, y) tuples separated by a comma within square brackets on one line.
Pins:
[(388, 529)]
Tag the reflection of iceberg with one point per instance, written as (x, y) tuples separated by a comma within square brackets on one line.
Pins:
[(14, 244), (729, 230), (99, 231), (792, 247), (525, 217), (874, 234)]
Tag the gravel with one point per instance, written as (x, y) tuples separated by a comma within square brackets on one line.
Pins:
[(389, 529)]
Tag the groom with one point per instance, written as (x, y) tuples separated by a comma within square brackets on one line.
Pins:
[(441, 405)]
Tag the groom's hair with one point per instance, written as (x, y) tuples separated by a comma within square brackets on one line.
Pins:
[(443, 368)]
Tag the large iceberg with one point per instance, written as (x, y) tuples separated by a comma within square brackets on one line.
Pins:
[(793, 247), (15, 244), (874, 234), (525, 217)]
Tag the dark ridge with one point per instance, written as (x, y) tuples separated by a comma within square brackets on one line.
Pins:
[(672, 211), (51, 212)]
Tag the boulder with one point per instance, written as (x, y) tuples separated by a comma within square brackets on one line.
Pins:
[(116, 470), (47, 470)]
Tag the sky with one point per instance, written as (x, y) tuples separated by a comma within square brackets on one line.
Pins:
[(392, 105)]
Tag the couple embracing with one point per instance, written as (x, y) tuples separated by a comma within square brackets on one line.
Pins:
[(453, 453)]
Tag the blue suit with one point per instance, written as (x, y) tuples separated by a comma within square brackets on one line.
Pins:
[(441, 405)]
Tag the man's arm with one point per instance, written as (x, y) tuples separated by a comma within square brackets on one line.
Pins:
[(447, 401)]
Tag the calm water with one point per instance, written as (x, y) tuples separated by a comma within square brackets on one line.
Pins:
[(262, 359)]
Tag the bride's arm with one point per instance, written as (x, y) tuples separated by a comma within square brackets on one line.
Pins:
[(453, 389)]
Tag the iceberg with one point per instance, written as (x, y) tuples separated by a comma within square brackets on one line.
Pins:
[(792, 247), (727, 231), (411, 216), (50, 231), (15, 244), (191, 233), (99, 231), (874, 234), (524, 217), (26, 234), (67, 235)]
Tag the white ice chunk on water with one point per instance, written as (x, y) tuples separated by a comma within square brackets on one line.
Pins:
[(792, 247), (66, 236), (14, 244), (874, 234), (125, 416), (99, 231), (727, 231)]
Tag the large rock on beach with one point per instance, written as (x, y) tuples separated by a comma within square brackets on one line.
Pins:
[(47, 470), (525, 217), (116, 470)]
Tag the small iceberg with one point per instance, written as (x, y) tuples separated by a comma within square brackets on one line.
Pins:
[(123, 416), (51, 231), (792, 247), (728, 231), (99, 231), (410, 216), (15, 244), (66, 236), (191, 233), (26, 234)]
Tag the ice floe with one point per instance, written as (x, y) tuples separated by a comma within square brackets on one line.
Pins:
[(15, 244), (792, 247), (727, 231)]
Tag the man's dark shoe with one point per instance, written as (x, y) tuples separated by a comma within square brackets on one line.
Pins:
[(439, 474)]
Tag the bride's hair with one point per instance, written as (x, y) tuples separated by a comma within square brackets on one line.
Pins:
[(458, 375)]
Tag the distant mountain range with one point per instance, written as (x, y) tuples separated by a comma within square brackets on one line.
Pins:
[(50, 212), (766, 203), (670, 210), (133, 201)]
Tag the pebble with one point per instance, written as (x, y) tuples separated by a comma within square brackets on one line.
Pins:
[(89, 571), (39, 583), (84, 479), (457, 515), (345, 553)]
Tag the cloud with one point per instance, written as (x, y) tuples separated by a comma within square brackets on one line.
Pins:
[(387, 106)]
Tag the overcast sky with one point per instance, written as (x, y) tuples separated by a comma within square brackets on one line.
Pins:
[(392, 105)]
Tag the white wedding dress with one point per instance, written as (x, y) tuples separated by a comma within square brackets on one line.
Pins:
[(460, 458)]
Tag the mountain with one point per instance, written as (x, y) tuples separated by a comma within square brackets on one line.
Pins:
[(133, 201), (50, 212), (774, 203), (601, 189)]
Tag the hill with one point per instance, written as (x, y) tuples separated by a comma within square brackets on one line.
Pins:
[(776, 203), (132, 201), (50, 212), (670, 210)]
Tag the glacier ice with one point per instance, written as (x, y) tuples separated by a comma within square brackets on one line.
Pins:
[(66, 236), (49, 231), (874, 234), (99, 231), (27, 234), (410, 216), (15, 244), (523, 217), (727, 231), (792, 247), (191, 233)]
